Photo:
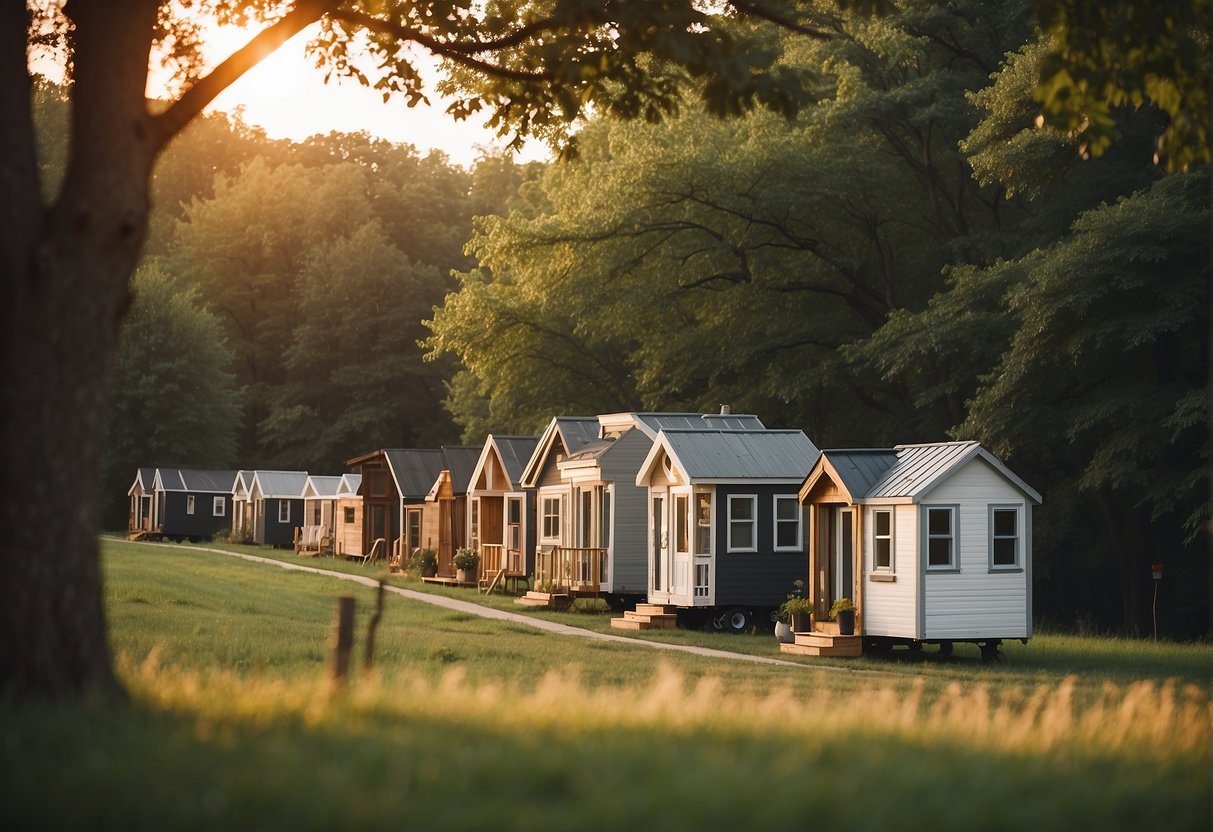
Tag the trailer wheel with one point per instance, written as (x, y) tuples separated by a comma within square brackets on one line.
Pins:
[(736, 620)]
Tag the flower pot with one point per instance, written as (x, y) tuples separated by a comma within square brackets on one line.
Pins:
[(846, 622), (783, 633), (802, 622), (429, 571), (465, 576)]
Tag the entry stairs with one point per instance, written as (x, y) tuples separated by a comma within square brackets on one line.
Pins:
[(824, 640), (647, 617)]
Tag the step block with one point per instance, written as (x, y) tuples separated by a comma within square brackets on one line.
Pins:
[(654, 609), (661, 621), (845, 650), (824, 639), (630, 624)]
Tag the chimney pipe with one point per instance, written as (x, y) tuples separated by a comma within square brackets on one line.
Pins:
[(725, 410)]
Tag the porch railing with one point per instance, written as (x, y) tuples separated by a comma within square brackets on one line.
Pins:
[(577, 569), (495, 556)]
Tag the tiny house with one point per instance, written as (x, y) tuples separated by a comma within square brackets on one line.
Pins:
[(500, 511), (141, 494), (444, 516), (725, 530), (932, 543), (347, 539), (242, 507), (277, 500), (319, 515), (191, 503)]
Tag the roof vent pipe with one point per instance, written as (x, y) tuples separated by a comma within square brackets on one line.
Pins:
[(725, 410)]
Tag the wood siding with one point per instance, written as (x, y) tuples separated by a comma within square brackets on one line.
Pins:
[(348, 539)]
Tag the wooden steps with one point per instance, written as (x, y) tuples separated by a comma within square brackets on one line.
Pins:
[(554, 600), (647, 617), (819, 643)]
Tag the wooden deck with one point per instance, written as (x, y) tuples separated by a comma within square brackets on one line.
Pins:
[(647, 617), (552, 600), (446, 581), (825, 640)]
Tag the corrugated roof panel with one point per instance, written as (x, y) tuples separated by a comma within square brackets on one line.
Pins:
[(577, 431), (170, 479), (735, 454), (859, 469), (461, 462), (918, 466), (656, 422), (415, 470), (276, 484), (215, 482), (593, 450), (324, 486), (516, 452)]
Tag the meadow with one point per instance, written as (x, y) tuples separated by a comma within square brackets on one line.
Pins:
[(468, 723)]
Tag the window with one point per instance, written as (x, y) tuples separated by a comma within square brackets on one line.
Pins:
[(189, 503), (941, 538), (681, 521), (1004, 538), (474, 524), (787, 523), (219, 507), (882, 540), (349, 514), (284, 511), (587, 518), (703, 524), (316, 514), (551, 517), (743, 514), (604, 519), (414, 526)]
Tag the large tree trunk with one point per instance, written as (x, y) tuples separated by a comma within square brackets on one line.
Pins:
[(67, 269)]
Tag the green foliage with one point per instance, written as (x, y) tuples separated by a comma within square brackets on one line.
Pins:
[(466, 559), (1103, 57), (174, 399), (841, 605)]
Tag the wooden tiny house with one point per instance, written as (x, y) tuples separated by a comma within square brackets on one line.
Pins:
[(242, 506), (316, 535), (500, 511), (139, 520), (347, 540), (725, 531), (277, 501), (933, 544)]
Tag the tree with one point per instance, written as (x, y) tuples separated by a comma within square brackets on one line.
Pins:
[(67, 259), (175, 401)]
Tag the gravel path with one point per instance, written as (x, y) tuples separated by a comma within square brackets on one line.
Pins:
[(499, 615)]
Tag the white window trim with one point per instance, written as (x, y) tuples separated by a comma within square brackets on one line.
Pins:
[(1017, 566), (954, 564), (686, 517), (892, 536), (711, 526), (753, 521), (284, 508), (558, 499), (189, 503), (219, 507), (775, 521)]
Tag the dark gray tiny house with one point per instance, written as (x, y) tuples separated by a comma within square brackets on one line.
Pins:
[(192, 503), (726, 532), (277, 499)]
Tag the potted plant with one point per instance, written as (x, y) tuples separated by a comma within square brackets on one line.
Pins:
[(793, 614), (465, 566), (800, 614), (427, 563), (844, 612)]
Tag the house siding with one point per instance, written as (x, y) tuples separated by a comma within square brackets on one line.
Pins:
[(281, 534), (765, 577), (974, 602), (629, 537), (891, 608), (202, 523)]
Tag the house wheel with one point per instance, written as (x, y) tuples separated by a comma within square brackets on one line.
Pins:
[(989, 653), (735, 620), (945, 649)]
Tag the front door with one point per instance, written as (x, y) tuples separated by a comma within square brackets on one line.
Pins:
[(659, 547)]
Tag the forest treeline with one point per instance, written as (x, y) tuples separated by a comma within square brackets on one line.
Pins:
[(916, 256)]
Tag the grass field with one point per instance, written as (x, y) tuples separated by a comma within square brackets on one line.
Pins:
[(471, 724)]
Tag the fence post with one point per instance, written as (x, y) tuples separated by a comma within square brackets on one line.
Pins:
[(369, 662), (343, 638)]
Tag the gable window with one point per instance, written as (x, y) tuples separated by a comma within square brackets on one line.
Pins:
[(1004, 538), (189, 504), (219, 507), (551, 517), (787, 523), (743, 523), (349, 514), (882, 540), (941, 538), (284, 511)]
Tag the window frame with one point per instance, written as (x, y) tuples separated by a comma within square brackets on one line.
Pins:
[(549, 521), (219, 506), (348, 513), (189, 503), (284, 511), (1017, 510), (752, 520), (891, 537), (775, 522), (953, 564)]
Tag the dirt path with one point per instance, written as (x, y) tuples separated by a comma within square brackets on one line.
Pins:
[(499, 615)]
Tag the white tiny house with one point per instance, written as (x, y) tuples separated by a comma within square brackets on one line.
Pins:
[(932, 543)]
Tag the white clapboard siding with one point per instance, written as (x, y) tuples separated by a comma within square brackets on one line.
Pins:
[(891, 608)]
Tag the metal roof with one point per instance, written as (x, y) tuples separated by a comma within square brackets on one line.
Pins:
[(592, 450), (414, 470), (859, 469), (515, 452), (280, 484), (145, 478), (321, 487), (349, 484), (723, 455), (653, 423), (213, 482), (461, 462), (168, 479), (577, 431)]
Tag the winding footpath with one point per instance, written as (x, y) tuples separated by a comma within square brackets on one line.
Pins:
[(500, 615)]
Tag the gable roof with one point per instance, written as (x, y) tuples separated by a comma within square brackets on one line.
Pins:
[(145, 479), (321, 487), (277, 485), (574, 433), (414, 470), (781, 456), (167, 479), (461, 462), (654, 423), (349, 485), (213, 482), (514, 452), (911, 471)]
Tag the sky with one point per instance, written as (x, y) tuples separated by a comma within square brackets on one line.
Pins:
[(287, 96)]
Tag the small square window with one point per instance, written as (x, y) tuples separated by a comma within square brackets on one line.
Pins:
[(941, 538), (1004, 538), (219, 507), (189, 504)]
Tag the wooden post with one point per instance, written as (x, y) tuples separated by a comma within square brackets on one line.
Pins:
[(343, 638), (369, 662)]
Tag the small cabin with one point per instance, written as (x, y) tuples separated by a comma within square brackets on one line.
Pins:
[(191, 503), (315, 536), (347, 539), (277, 500), (500, 512), (932, 543), (444, 517), (725, 530), (242, 507), (142, 495)]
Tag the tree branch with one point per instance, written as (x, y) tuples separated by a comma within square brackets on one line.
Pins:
[(770, 15)]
